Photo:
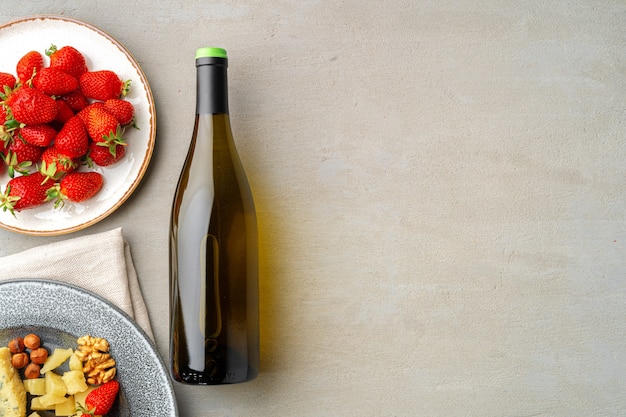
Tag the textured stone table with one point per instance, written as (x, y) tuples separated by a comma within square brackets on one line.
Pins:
[(441, 194)]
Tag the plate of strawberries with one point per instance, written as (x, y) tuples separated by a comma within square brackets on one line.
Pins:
[(77, 125)]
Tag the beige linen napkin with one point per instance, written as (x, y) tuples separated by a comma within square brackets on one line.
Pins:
[(100, 263)]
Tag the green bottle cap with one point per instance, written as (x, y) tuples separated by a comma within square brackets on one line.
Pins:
[(210, 52)]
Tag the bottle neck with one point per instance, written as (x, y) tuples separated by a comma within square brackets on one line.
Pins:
[(211, 86)]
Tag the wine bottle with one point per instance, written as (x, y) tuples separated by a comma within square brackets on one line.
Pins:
[(214, 320)]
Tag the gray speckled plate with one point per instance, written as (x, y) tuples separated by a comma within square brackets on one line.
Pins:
[(60, 313)]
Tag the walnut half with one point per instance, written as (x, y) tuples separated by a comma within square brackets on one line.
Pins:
[(98, 365)]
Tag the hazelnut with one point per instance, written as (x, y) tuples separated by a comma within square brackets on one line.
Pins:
[(16, 345), (39, 355), (32, 341), (19, 360), (32, 371)]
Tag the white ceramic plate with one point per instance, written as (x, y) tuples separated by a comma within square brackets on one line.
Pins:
[(101, 51), (63, 313)]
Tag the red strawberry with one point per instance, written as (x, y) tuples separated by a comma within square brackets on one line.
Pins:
[(64, 113), (102, 126), (102, 155), (31, 106), (54, 82), (24, 192), (77, 187), (76, 100), (7, 80), (38, 135), (102, 85), (67, 59), (28, 65), (123, 110), (2, 155), (55, 163), (72, 139), (100, 401), (21, 155), (84, 112), (3, 114), (25, 151)]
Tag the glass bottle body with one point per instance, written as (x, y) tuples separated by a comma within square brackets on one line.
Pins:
[(213, 263)]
